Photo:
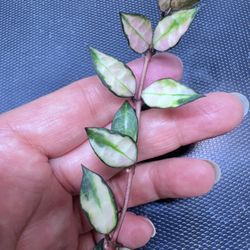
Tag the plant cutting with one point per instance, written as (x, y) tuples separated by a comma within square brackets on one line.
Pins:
[(117, 146)]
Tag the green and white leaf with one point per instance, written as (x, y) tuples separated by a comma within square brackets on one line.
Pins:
[(125, 121), (114, 149), (138, 30), (114, 74), (97, 201), (176, 4), (171, 28), (168, 93)]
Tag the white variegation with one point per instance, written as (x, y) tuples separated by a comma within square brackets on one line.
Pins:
[(112, 148), (138, 30), (98, 202), (168, 93), (171, 28), (114, 74)]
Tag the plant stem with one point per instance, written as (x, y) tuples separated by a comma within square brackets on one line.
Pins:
[(131, 171)]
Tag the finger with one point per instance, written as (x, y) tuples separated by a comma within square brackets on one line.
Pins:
[(55, 123), (171, 178), (86, 241), (161, 131), (136, 231)]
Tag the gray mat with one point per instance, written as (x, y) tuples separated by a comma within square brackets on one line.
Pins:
[(44, 47)]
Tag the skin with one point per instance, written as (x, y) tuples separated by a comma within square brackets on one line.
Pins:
[(43, 144)]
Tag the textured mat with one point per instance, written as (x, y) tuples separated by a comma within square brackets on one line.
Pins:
[(43, 47)]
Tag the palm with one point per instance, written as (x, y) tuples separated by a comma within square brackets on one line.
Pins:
[(43, 145), (40, 211)]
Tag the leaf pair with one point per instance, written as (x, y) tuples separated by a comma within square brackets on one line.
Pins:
[(165, 93), (117, 147), (139, 32)]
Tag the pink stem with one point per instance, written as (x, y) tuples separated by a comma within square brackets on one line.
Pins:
[(131, 171)]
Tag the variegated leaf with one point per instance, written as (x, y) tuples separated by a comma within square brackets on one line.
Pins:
[(125, 121), (97, 201), (171, 28), (138, 30), (113, 148), (168, 93), (114, 74)]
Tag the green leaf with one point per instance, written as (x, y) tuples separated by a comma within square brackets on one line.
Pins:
[(138, 30), (97, 201), (113, 148), (176, 4), (171, 28), (115, 75), (125, 121), (167, 93)]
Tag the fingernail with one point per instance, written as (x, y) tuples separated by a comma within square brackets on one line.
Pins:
[(153, 227), (217, 170), (244, 101)]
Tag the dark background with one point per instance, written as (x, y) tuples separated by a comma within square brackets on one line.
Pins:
[(44, 46)]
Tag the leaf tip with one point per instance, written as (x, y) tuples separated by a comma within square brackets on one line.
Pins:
[(84, 169), (88, 131), (122, 14), (194, 11)]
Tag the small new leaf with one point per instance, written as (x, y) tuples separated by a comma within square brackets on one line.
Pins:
[(114, 74), (167, 93), (176, 4), (138, 30), (164, 5), (171, 28), (125, 121), (97, 201), (113, 148)]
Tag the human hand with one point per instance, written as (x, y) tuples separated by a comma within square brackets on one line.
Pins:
[(43, 145)]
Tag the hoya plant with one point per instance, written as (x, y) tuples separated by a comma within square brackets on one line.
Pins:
[(117, 147)]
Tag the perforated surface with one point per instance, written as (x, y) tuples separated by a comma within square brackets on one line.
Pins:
[(44, 47)]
